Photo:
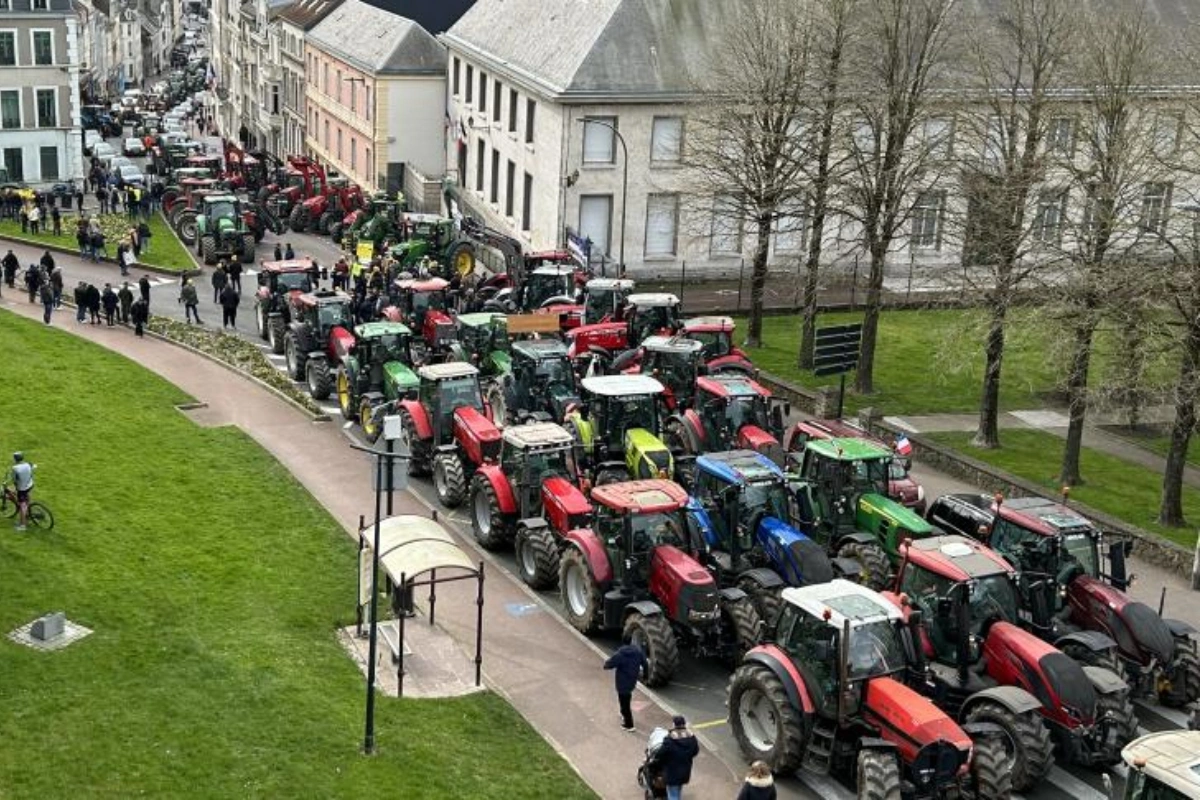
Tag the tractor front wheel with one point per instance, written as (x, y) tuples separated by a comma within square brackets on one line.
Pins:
[(320, 382), (878, 775), (248, 247), (989, 780), (611, 475), (766, 599), (418, 449), (1087, 657), (492, 529), (188, 228), (208, 249), (276, 331), (580, 594), (537, 556), (1026, 741), (335, 232), (295, 358), (653, 635), (448, 479), (876, 569), (1184, 686), (345, 393), (325, 222), (764, 722), (1118, 706), (370, 425), (741, 625)]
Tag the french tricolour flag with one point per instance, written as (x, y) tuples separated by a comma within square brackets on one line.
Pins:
[(903, 445)]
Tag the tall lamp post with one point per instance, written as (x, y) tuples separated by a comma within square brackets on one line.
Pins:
[(624, 178)]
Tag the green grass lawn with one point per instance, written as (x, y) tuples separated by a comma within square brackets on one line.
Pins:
[(1115, 486), (165, 251), (932, 361), (214, 584)]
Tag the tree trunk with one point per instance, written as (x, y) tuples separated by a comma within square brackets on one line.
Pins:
[(988, 433), (1077, 384), (758, 281), (865, 380), (808, 325), (1170, 511)]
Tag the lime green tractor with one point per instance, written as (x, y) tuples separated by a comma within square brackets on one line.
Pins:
[(375, 373), (841, 492), (221, 232), (434, 237), (483, 341)]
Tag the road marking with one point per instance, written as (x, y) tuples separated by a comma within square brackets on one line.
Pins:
[(1074, 786), (331, 409), (713, 723), (348, 425), (522, 609)]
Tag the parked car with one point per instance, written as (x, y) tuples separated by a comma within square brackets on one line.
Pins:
[(131, 174), (120, 161), (91, 138), (103, 151), (134, 147)]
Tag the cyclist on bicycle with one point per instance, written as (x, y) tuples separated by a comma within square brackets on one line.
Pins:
[(22, 478)]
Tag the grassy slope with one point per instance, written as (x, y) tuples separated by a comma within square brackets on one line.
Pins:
[(214, 583), (165, 252), (1117, 487)]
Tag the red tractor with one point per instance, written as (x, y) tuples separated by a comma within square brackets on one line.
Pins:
[(729, 412), (321, 329), (675, 362), (825, 692), (902, 487), (338, 198), (277, 282), (720, 353), (447, 427), (300, 180), (644, 315), (981, 666), (423, 305), (629, 571), (604, 300), (1158, 656), (530, 496)]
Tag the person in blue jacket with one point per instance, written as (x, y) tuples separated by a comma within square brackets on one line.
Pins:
[(629, 664)]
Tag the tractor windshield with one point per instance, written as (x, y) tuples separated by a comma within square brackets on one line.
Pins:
[(766, 498), (627, 413), (545, 464), (872, 476), (459, 393), (716, 343), (992, 597), (747, 410), (600, 305), (424, 301), (392, 348), (294, 281), (222, 210), (333, 314), (1079, 547), (540, 288), (652, 530), (294, 180), (678, 370), (555, 371), (651, 320), (874, 650)]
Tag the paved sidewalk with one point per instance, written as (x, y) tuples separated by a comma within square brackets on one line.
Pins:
[(547, 671), (1055, 422)]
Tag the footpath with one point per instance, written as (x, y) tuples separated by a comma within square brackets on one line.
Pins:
[(551, 674)]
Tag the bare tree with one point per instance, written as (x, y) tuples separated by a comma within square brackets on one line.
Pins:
[(900, 52), (1019, 51), (745, 152)]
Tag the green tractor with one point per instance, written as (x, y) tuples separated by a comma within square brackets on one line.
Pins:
[(436, 238), (842, 497), (483, 341), (375, 373), (221, 231), (378, 221), (539, 386)]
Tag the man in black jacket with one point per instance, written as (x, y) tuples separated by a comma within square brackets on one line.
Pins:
[(144, 288), (93, 303), (229, 305), (675, 757), (11, 265), (80, 301), (628, 663), (140, 312)]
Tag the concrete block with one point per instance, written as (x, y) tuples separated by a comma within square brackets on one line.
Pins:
[(49, 627)]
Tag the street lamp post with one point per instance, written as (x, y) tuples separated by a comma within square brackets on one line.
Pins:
[(624, 179)]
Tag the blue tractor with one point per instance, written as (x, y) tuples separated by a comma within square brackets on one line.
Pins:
[(742, 506)]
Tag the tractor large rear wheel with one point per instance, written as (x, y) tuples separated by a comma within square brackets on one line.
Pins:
[(188, 228), (989, 779), (653, 635), (1028, 751), (325, 222), (448, 479), (345, 394), (295, 356), (878, 775), (740, 626), (276, 333), (462, 259), (491, 526), (1185, 677), (320, 382), (580, 594), (766, 599), (876, 569), (419, 456), (537, 556), (764, 722), (248, 248), (298, 219), (208, 249)]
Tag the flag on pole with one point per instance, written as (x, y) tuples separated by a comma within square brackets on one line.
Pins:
[(903, 445)]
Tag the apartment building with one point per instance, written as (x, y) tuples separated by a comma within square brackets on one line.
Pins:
[(294, 23)]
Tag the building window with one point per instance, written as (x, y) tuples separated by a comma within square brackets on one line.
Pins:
[(510, 189), (1156, 198), (327, 135), (495, 193), (527, 203), (1048, 222), (599, 140), (483, 91), (666, 140), (497, 97), (1060, 137), (10, 109), (367, 165), (1166, 132), (43, 47), (662, 222), (726, 225), (47, 108), (995, 141), (512, 110), (40, 5), (274, 99), (595, 220), (8, 49), (339, 144), (470, 81), (353, 154), (939, 137), (14, 163), (353, 97), (49, 163), (367, 105), (4, 5), (325, 77), (790, 228), (480, 155), (530, 108), (457, 68), (339, 87), (927, 220)]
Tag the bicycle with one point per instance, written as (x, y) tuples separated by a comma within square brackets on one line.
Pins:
[(39, 514)]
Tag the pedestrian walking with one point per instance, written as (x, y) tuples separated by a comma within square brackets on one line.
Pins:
[(278, 252), (56, 283), (35, 219), (759, 783), (102, 199), (99, 245), (143, 237), (47, 295), (144, 290), (220, 279), (80, 301), (47, 261), (629, 664), (108, 299), (190, 300), (235, 274), (678, 751), (288, 252), (93, 303), (56, 220), (33, 281), (229, 304), (140, 313), (81, 239), (11, 266), (125, 296), (79, 200)]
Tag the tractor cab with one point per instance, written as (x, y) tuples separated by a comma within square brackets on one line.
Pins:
[(1163, 766), (383, 361), (542, 382), (633, 519), (716, 335), (444, 389), (1047, 538), (282, 277), (547, 285), (738, 412), (191, 173), (652, 314), (322, 312), (531, 456), (222, 209), (676, 363), (604, 299), (422, 304), (484, 341), (210, 163), (618, 426)]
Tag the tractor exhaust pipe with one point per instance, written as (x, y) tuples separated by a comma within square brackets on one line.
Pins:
[(843, 672), (962, 614)]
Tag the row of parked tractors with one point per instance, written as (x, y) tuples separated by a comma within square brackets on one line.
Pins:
[(629, 456)]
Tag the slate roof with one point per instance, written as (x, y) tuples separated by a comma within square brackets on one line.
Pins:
[(306, 14), (378, 41)]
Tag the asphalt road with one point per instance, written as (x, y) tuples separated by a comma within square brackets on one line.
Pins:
[(698, 690)]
